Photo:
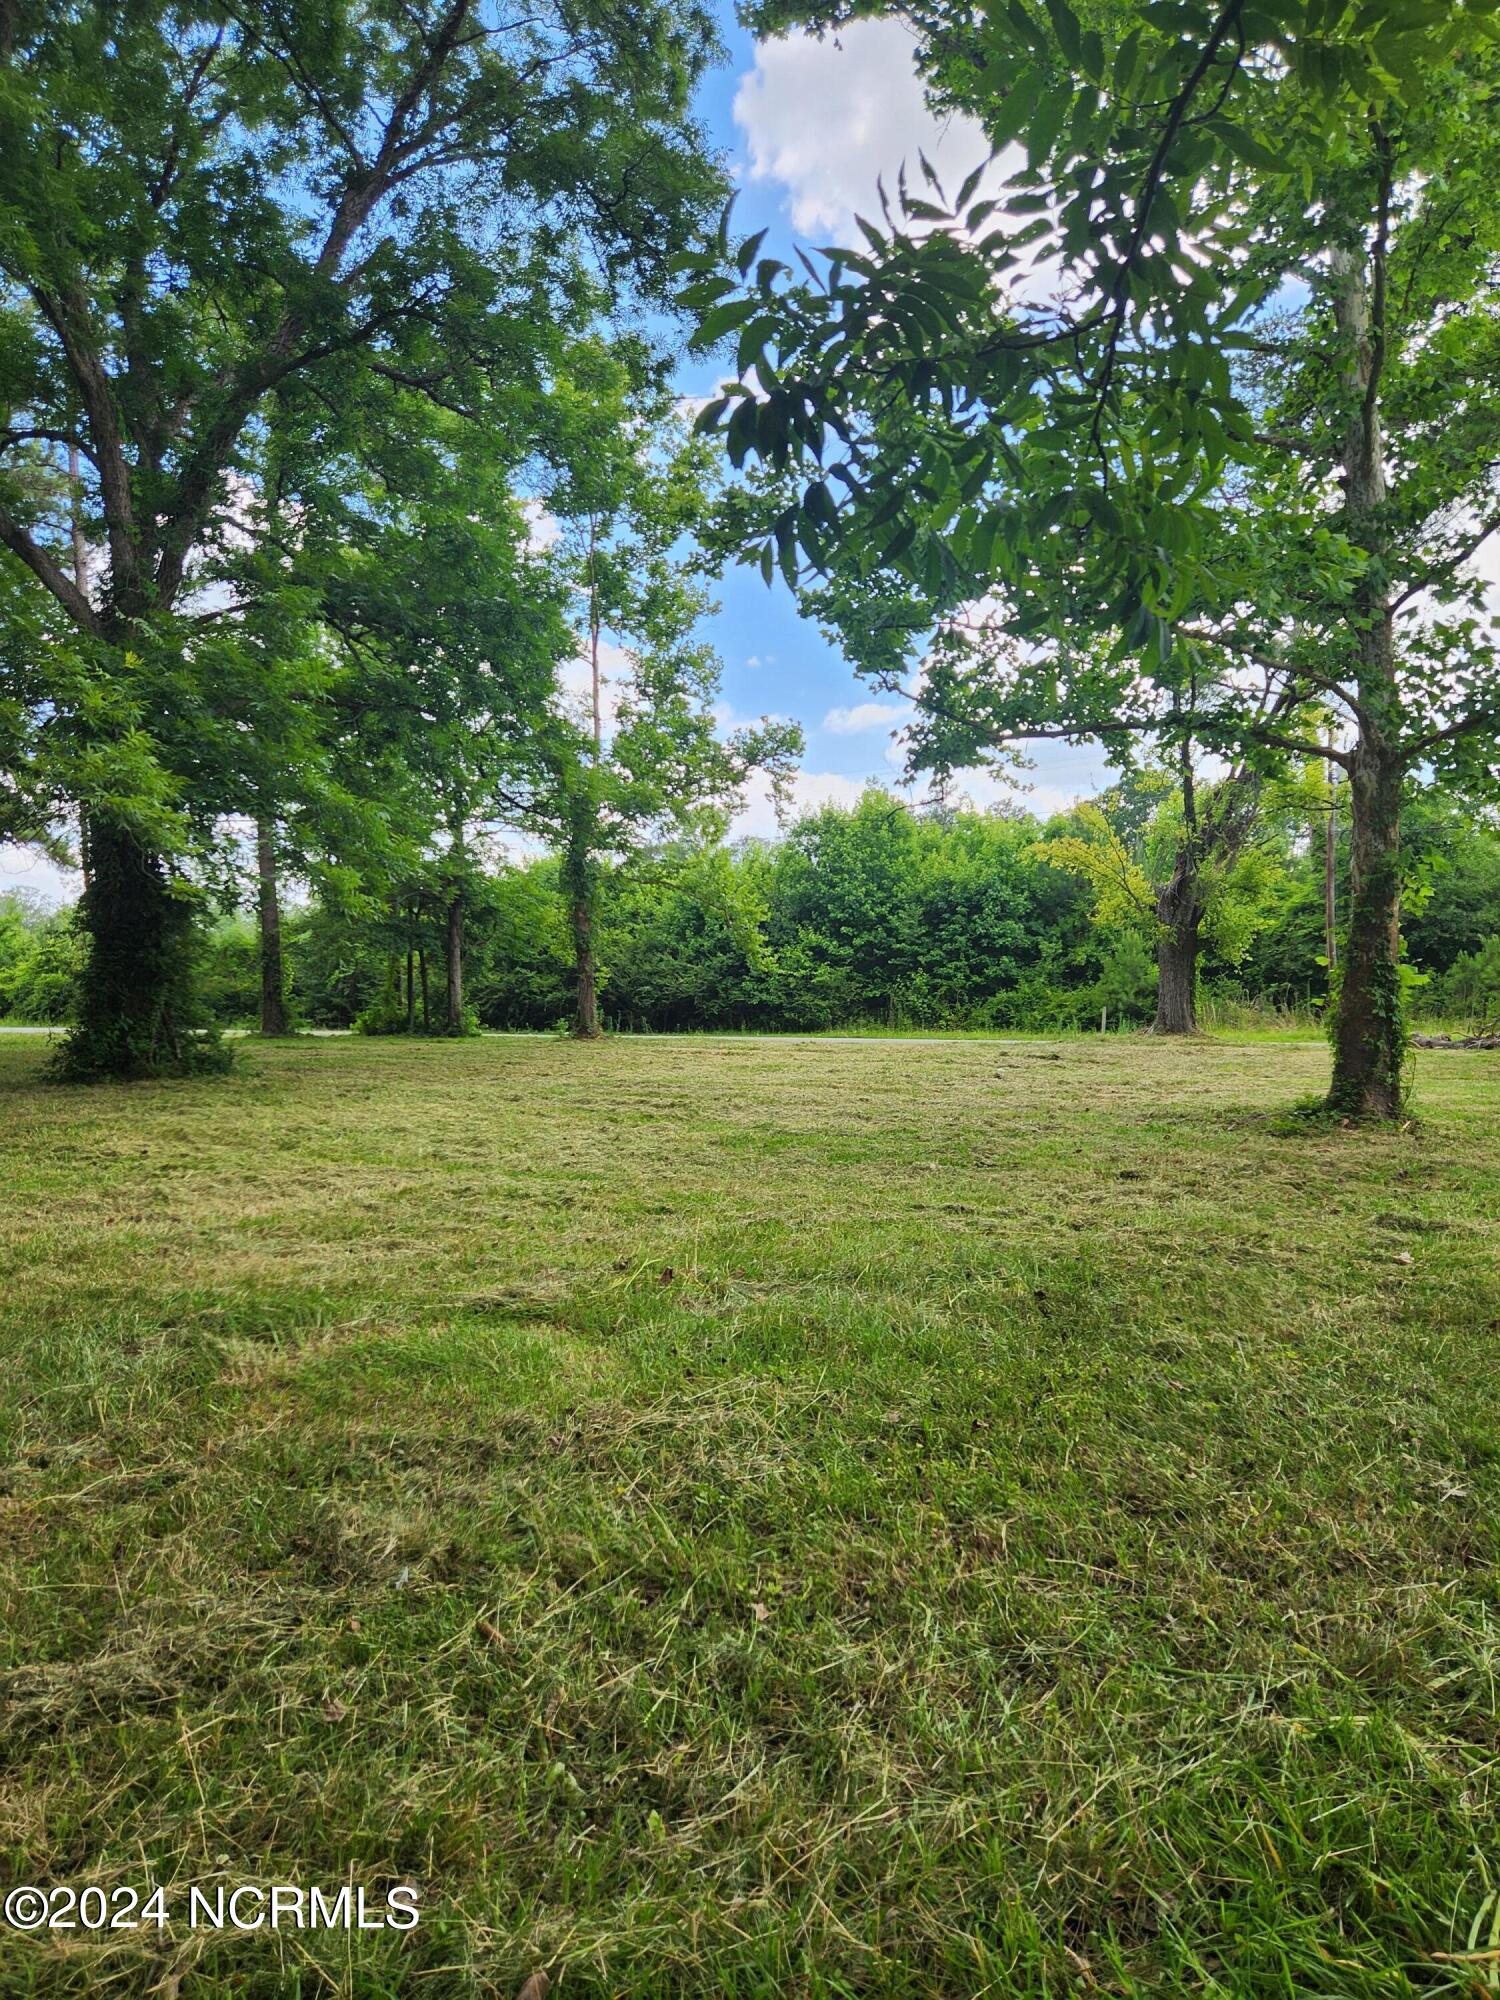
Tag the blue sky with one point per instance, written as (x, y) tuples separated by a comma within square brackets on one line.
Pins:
[(807, 128)]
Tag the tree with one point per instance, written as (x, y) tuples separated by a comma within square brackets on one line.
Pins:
[(452, 681), (1199, 871), (636, 755), (1046, 398), (206, 207), (273, 1018)]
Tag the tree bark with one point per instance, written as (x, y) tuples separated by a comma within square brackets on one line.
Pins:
[(578, 879), (586, 1010), (1369, 1045), (578, 860), (1331, 871), (411, 991), (1369, 1031), (273, 1013), (455, 1018), (1179, 912), (134, 1015)]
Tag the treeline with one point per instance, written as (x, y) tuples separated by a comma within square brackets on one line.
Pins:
[(875, 915), (351, 522)]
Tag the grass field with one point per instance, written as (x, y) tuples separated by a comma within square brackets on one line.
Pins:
[(729, 1518)]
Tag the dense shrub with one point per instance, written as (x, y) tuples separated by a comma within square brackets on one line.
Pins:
[(41, 955)]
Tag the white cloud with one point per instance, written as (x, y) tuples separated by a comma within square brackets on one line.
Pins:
[(575, 682), (865, 715), (24, 868), (808, 791), (541, 526), (824, 119)]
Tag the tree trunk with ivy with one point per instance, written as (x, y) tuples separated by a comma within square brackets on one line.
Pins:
[(1179, 906), (586, 1008), (273, 1009), (135, 1014), (578, 887), (1369, 1027)]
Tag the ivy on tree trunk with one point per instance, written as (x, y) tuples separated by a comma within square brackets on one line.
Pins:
[(136, 1013), (273, 1009)]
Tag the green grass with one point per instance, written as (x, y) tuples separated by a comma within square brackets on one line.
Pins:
[(729, 1518)]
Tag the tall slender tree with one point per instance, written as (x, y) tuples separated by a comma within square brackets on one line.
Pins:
[(639, 755)]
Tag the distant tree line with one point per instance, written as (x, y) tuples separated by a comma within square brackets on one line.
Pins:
[(871, 915)]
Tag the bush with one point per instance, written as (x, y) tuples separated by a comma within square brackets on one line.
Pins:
[(41, 958), (1126, 985), (229, 973), (386, 1013), (1470, 989)]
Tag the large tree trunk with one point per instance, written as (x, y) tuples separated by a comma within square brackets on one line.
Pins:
[(135, 1016), (1369, 1032), (1180, 916), (273, 1013), (586, 1011), (1331, 869), (455, 1019), (1369, 1037), (578, 878)]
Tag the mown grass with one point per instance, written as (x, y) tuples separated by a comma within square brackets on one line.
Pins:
[(752, 1519)]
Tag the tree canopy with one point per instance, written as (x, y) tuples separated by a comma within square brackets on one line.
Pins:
[(1142, 395), (380, 215)]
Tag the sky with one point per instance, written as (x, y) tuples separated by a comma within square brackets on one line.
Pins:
[(807, 128)]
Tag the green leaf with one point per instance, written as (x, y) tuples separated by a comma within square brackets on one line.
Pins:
[(751, 341), (1244, 146), (1013, 96), (1047, 121), (971, 183), (723, 319), (748, 251), (1065, 25)]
